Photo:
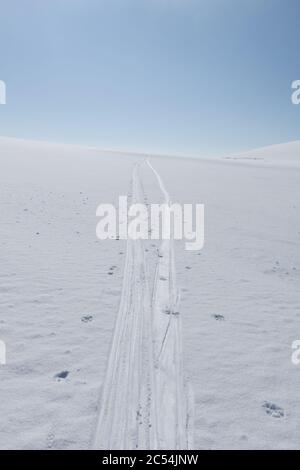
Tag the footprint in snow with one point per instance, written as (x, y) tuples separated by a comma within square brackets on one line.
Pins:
[(219, 317), (87, 318), (273, 410), (62, 375)]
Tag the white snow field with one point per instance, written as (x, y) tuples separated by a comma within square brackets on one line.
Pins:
[(115, 344)]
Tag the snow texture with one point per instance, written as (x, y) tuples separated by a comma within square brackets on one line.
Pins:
[(222, 378)]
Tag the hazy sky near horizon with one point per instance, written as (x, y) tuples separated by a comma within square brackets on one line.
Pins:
[(171, 76)]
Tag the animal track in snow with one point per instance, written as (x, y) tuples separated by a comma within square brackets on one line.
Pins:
[(62, 375), (87, 318), (171, 312), (273, 410), (219, 317), (111, 270)]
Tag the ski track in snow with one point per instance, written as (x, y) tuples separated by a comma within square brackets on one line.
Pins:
[(145, 403)]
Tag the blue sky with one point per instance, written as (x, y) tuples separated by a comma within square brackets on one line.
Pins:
[(171, 76)]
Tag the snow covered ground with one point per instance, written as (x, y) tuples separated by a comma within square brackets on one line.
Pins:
[(60, 291)]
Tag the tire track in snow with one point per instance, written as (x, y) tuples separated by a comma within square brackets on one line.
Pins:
[(127, 416), (175, 398), (143, 404)]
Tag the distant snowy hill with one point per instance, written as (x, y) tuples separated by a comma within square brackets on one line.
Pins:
[(287, 154)]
